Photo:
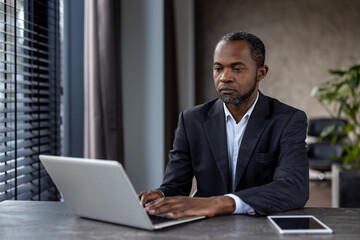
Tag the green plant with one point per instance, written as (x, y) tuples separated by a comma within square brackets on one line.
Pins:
[(340, 96)]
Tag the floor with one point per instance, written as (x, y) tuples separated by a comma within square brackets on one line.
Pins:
[(320, 191)]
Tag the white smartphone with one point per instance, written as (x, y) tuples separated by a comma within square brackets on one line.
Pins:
[(298, 224)]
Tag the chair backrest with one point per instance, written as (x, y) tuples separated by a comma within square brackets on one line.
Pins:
[(323, 150), (317, 125), (321, 153)]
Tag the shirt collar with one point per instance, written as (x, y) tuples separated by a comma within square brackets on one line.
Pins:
[(247, 114)]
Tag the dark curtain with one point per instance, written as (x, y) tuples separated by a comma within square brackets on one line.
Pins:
[(102, 80), (171, 89)]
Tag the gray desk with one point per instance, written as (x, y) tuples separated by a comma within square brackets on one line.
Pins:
[(54, 220)]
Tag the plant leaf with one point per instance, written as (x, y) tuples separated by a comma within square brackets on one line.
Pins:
[(315, 91), (327, 130), (340, 72)]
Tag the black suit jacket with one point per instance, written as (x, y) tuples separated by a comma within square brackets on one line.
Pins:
[(272, 172)]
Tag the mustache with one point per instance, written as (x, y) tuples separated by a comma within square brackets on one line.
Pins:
[(226, 88)]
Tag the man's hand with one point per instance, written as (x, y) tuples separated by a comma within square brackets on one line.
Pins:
[(177, 207), (148, 196)]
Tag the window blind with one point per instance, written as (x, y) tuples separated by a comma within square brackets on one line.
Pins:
[(29, 97)]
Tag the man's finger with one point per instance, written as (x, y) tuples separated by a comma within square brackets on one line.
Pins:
[(148, 196), (164, 205), (141, 194)]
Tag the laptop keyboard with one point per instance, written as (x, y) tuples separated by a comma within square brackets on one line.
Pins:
[(158, 219)]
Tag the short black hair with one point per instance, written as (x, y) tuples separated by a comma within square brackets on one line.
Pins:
[(257, 48)]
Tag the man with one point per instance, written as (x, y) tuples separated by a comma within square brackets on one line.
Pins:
[(246, 150)]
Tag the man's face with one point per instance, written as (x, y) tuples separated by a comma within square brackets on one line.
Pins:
[(234, 72)]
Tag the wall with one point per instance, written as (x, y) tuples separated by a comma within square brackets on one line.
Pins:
[(303, 39), (73, 78), (142, 76)]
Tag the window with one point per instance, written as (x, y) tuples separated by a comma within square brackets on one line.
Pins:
[(29, 97)]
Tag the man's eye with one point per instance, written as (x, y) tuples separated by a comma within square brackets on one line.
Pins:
[(238, 69), (217, 68)]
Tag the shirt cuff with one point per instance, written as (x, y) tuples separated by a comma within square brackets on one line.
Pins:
[(240, 206)]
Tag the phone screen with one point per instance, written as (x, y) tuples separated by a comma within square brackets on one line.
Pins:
[(298, 223)]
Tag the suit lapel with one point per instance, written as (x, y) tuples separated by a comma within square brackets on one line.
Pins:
[(215, 131), (253, 132)]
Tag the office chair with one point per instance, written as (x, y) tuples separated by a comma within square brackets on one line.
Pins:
[(321, 153)]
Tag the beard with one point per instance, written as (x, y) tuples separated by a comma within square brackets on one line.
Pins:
[(235, 100)]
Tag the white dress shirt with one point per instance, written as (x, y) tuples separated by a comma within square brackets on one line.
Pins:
[(235, 132)]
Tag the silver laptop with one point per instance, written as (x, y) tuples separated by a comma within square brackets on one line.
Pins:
[(101, 190)]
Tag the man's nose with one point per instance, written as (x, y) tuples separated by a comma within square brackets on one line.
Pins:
[(226, 76)]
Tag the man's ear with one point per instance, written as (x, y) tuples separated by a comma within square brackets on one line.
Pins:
[(261, 72)]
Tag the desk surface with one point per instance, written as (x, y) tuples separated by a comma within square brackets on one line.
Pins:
[(54, 220)]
